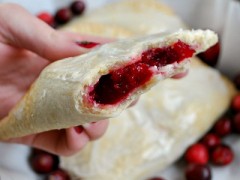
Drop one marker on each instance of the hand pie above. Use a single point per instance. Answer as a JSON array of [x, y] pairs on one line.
[[102, 83], [148, 137]]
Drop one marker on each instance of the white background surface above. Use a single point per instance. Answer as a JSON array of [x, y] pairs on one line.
[[223, 16]]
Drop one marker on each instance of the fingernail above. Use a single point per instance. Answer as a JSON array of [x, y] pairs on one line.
[[87, 44], [78, 129]]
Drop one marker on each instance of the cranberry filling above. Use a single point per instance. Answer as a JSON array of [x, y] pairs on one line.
[[118, 84]]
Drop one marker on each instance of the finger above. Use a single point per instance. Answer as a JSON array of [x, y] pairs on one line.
[[21, 29], [96, 130], [83, 37], [76, 138], [61, 142]]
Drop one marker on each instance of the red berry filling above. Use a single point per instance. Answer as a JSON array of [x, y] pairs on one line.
[[118, 84]]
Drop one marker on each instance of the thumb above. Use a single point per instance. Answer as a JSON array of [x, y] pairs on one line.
[[21, 29]]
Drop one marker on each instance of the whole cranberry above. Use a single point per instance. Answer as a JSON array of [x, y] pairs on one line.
[[197, 154], [36, 151], [63, 16], [211, 140], [59, 174], [222, 155], [77, 7], [46, 17], [156, 178], [44, 162], [236, 81], [198, 172], [236, 122], [223, 127], [236, 103], [211, 55]]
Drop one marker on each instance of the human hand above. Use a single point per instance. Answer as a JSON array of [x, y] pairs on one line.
[[27, 45]]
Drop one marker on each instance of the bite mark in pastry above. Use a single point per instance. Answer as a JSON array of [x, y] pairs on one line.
[[72, 91], [115, 86]]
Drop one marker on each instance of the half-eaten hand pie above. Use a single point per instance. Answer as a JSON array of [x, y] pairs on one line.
[[102, 83]]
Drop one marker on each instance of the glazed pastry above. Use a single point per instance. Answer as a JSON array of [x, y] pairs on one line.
[[126, 19], [97, 85], [153, 134]]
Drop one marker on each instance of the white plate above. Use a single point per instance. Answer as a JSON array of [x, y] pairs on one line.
[[14, 158]]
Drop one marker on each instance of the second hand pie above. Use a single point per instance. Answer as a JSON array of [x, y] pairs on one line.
[[102, 83]]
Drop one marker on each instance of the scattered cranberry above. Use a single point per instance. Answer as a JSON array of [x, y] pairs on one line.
[[59, 174], [236, 81], [36, 151], [197, 153], [211, 140], [236, 122], [77, 7], [222, 155], [223, 127], [46, 17], [198, 172], [211, 55], [43, 163], [63, 16], [236, 103], [87, 44], [156, 178]]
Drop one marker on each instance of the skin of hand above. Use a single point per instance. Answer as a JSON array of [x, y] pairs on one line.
[[27, 45]]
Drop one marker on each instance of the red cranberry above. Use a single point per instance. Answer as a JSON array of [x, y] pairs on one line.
[[43, 163], [58, 175], [211, 140], [223, 127], [63, 16], [222, 155], [77, 7], [87, 44], [198, 172], [197, 154], [211, 55], [156, 178], [36, 151], [236, 122], [46, 17], [236, 81], [236, 103]]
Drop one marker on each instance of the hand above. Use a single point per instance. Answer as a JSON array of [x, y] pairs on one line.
[[27, 45]]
